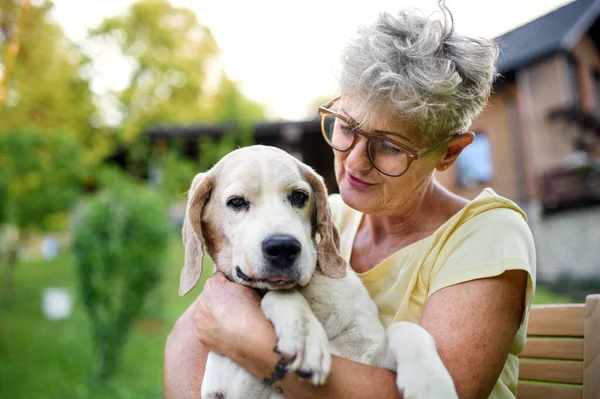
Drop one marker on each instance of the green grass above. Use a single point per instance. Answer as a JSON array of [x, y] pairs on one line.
[[40, 358], [545, 296], [54, 359]]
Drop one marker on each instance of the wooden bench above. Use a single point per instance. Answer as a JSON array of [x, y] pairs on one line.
[[561, 358]]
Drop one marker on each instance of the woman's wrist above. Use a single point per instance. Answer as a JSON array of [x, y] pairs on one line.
[[257, 355]]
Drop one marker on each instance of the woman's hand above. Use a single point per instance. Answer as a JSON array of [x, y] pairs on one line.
[[229, 317]]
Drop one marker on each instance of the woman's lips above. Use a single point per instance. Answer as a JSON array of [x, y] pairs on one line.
[[357, 182]]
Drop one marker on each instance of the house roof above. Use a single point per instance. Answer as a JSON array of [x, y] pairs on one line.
[[557, 31]]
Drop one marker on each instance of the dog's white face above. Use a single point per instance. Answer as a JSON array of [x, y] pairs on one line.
[[261, 218], [261, 207]]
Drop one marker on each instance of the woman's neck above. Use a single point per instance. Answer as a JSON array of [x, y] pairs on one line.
[[428, 211]]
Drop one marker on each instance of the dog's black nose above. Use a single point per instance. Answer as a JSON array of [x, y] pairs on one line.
[[281, 250]]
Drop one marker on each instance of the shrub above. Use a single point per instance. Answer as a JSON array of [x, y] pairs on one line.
[[120, 238]]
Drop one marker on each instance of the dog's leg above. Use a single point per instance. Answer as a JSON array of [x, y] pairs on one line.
[[421, 374], [301, 336], [223, 379], [218, 374]]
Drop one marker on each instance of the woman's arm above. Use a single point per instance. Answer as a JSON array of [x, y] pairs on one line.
[[474, 325], [249, 339], [348, 379], [184, 359]]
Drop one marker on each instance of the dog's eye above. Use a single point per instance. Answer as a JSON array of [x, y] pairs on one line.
[[238, 203], [298, 198]]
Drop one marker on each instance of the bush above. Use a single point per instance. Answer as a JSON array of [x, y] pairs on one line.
[[120, 238]]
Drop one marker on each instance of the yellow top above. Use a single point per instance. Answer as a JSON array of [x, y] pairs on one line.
[[487, 237]]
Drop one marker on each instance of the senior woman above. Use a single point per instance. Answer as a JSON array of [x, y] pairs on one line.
[[463, 270]]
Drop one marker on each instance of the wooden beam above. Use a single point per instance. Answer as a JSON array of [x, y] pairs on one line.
[[569, 372], [531, 390], [553, 348], [591, 353], [556, 320]]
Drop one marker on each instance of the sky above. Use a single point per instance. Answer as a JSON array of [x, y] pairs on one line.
[[285, 54]]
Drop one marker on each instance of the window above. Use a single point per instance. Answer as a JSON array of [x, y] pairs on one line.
[[474, 166]]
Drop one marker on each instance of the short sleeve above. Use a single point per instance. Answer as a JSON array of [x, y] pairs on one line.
[[486, 245], [337, 208]]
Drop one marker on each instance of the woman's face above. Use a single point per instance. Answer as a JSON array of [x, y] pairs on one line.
[[367, 190]]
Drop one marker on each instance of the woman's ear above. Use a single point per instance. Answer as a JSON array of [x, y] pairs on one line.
[[455, 147]]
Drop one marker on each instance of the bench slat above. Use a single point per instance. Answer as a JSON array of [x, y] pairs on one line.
[[528, 390], [556, 320], [591, 356], [553, 348], [551, 371]]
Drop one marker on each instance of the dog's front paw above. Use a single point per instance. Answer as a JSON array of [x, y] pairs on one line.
[[425, 386], [421, 374], [310, 352], [300, 336]]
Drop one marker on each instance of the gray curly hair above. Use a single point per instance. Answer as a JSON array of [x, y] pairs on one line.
[[416, 68]]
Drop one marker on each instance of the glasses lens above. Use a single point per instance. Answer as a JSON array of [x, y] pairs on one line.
[[338, 133], [388, 157]]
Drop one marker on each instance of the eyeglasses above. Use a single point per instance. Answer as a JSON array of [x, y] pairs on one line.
[[387, 156]]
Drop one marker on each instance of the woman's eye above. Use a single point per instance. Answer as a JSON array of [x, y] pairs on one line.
[[298, 198], [389, 147], [346, 128], [238, 204]]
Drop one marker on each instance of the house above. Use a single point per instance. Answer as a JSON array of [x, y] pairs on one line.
[[538, 142]]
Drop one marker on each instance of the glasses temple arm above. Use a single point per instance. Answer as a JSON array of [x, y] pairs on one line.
[[427, 151]]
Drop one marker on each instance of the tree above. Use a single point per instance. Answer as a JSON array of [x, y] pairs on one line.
[[176, 76], [40, 179], [43, 82], [120, 239]]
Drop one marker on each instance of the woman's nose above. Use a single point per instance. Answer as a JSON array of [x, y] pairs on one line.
[[357, 159]]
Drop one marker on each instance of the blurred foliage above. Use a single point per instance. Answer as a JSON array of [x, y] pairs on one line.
[[173, 174], [576, 288], [63, 349], [41, 177], [46, 86], [212, 150], [56, 133], [39, 183], [120, 239], [176, 76]]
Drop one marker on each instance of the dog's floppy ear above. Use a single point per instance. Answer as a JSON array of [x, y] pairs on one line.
[[192, 233], [330, 261]]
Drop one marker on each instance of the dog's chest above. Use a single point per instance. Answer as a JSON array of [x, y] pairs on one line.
[[348, 315]]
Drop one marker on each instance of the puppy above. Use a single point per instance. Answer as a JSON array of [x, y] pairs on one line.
[[264, 220]]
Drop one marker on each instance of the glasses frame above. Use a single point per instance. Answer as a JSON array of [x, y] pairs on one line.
[[412, 154]]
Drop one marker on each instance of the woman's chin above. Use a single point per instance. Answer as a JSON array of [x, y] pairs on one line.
[[361, 200]]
